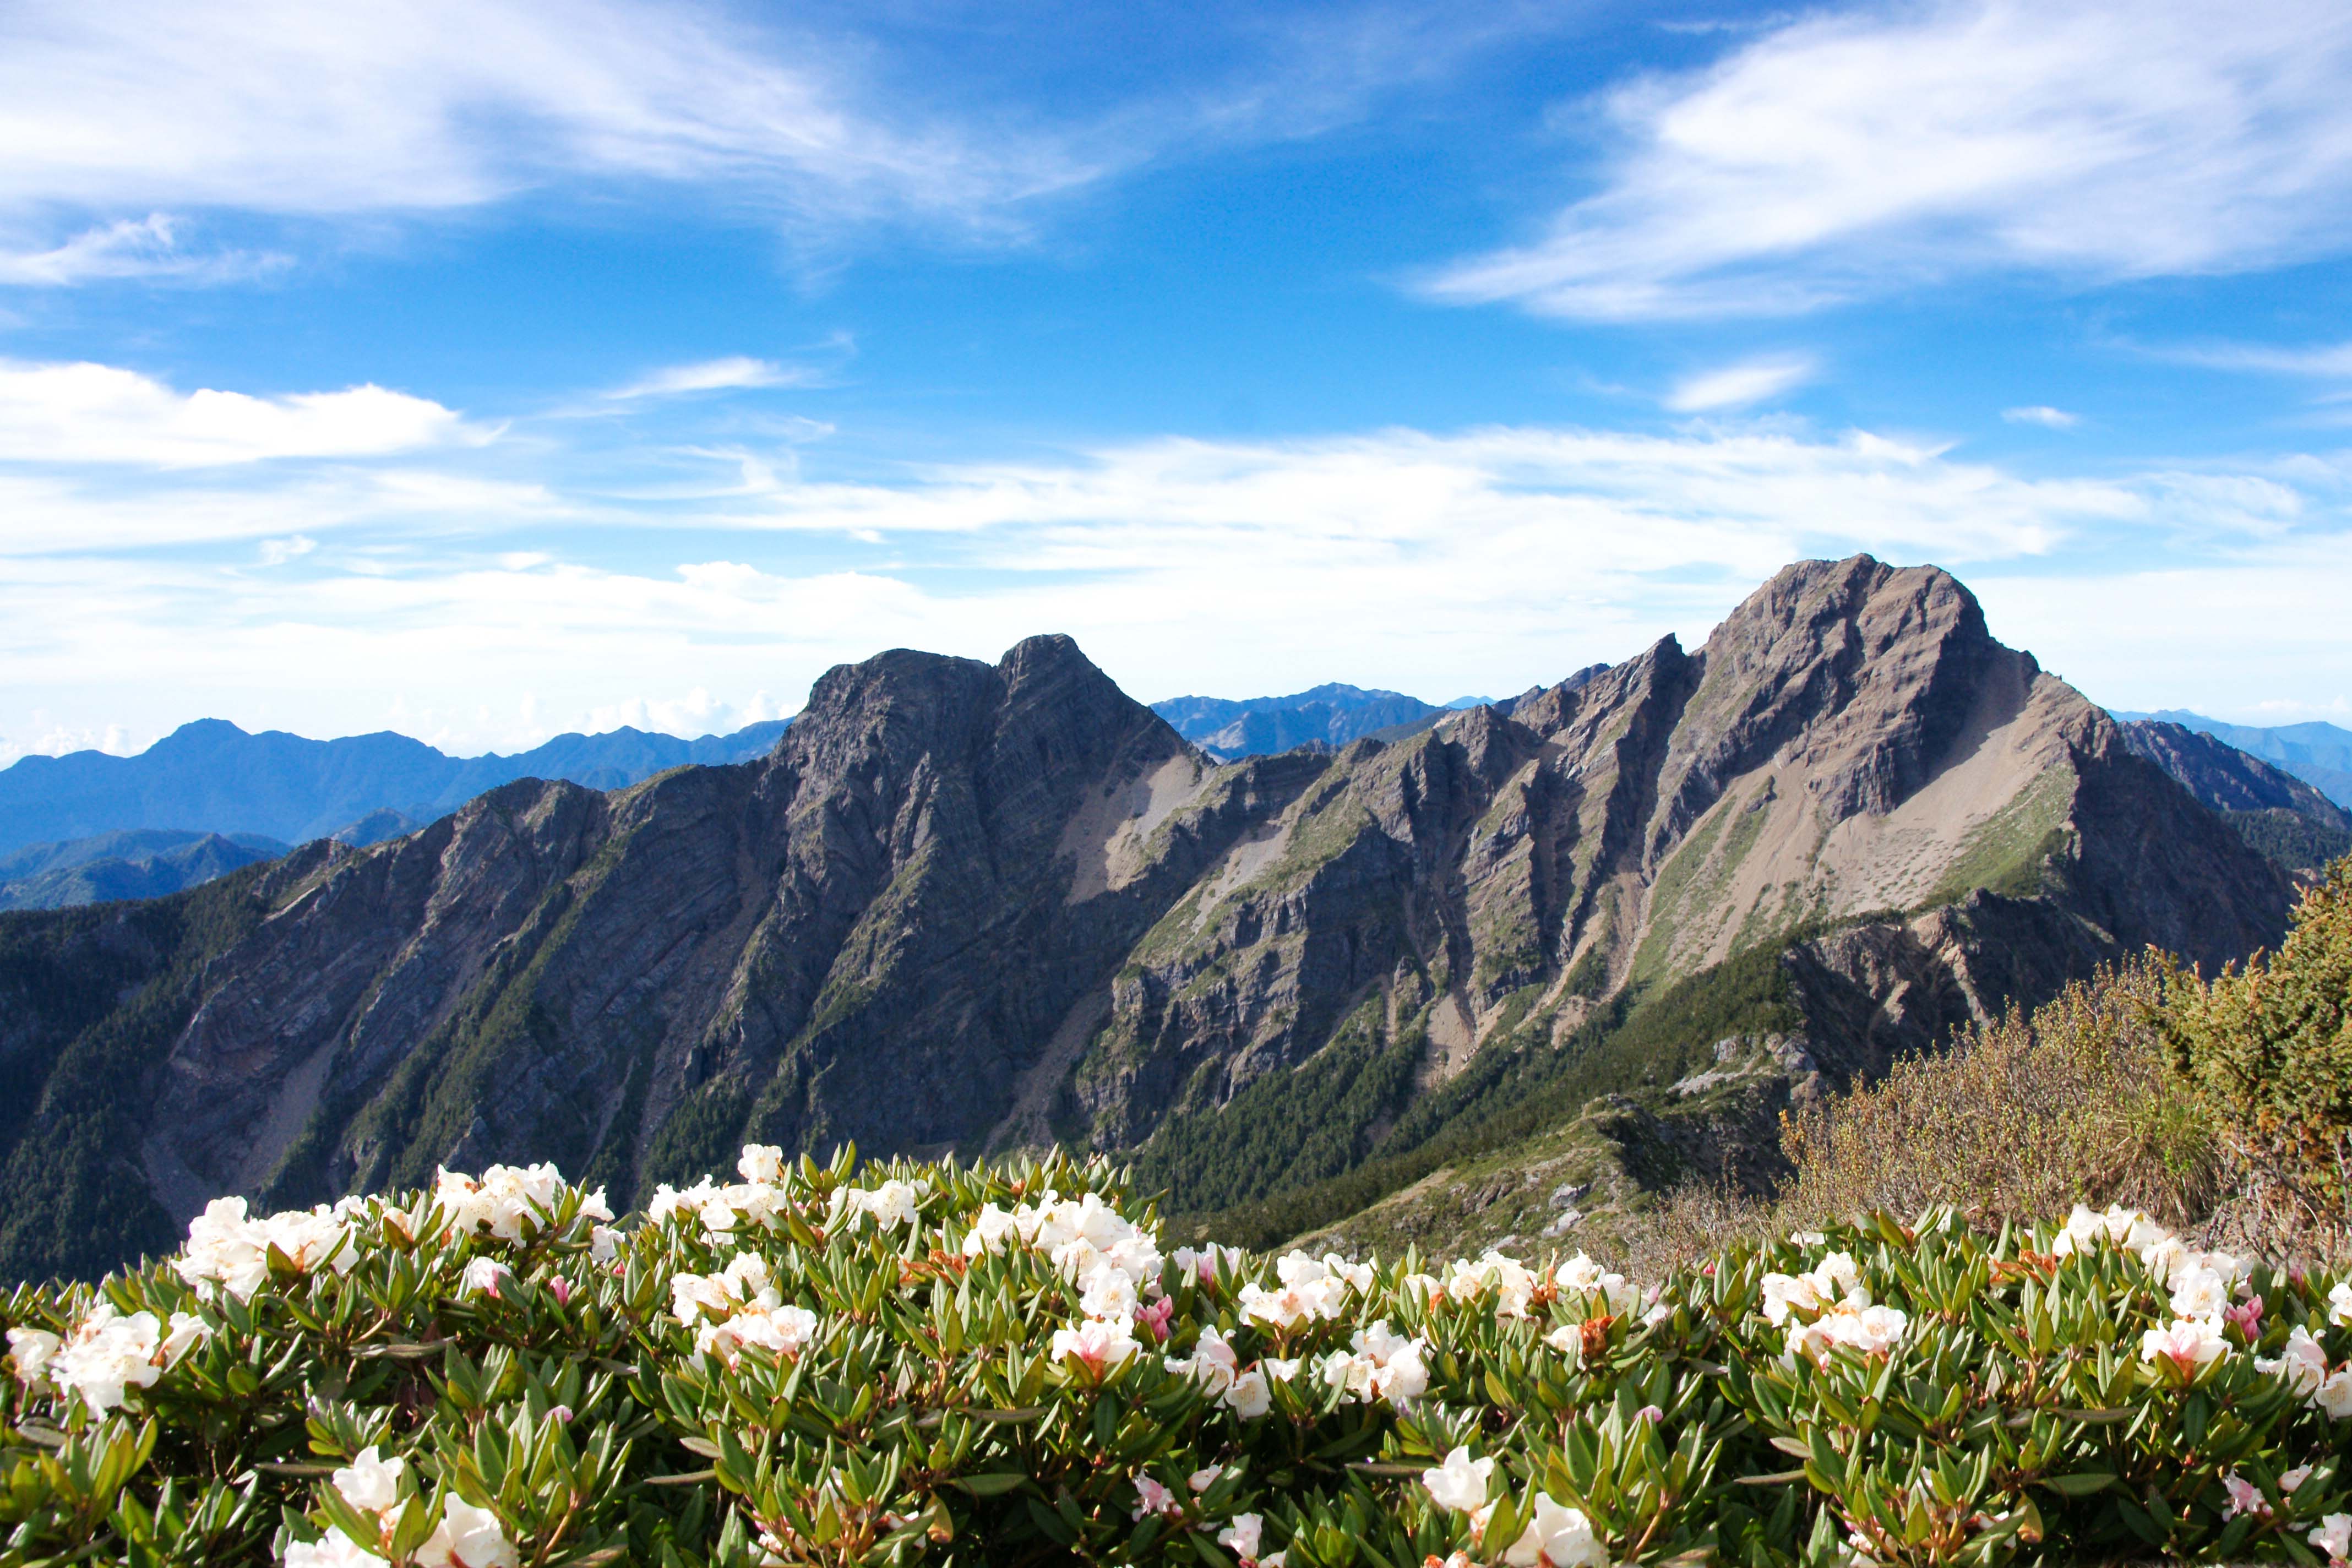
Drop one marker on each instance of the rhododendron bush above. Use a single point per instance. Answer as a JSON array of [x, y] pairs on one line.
[[1006, 1366]]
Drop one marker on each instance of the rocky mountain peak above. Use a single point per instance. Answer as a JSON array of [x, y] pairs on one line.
[[968, 906]]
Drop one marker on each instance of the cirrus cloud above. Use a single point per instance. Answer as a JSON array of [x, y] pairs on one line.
[[1846, 154]]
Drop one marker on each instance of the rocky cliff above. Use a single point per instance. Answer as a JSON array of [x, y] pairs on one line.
[[966, 907], [2287, 820]]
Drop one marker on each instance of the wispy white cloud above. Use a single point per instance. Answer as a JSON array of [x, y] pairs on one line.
[[1847, 154], [1479, 560], [2326, 361], [1739, 386], [732, 373], [103, 413], [279, 551], [129, 248], [2042, 414], [413, 107], [271, 106]]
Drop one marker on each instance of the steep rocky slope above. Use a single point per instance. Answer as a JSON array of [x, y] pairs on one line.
[[966, 907], [2283, 817]]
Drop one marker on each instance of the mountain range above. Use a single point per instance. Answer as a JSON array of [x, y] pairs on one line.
[[210, 776], [2318, 754], [1329, 715], [1510, 970]]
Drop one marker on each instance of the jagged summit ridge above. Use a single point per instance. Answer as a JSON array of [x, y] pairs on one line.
[[962, 906]]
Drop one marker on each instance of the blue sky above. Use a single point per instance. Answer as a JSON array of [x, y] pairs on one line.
[[484, 371]]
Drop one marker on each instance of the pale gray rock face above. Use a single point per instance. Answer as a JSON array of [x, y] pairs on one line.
[[969, 907]]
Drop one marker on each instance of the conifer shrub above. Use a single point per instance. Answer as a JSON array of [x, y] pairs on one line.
[[1002, 1366], [2074, 1100], [2269, 1048]]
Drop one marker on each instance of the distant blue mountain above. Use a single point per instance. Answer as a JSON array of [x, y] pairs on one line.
[[1333, 714], [212, 777], [145, 863], [2320, 755]]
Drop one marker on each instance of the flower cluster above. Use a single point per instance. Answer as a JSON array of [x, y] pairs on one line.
[[505, 1199], [818, 1365], [1379, 1363], [1310, 1290], [740, 1308], [108, 1353], [1113, 1262], [228, 1250], [1829, 1308], [379, 1492], [1555, 1535], [2200, 1288]]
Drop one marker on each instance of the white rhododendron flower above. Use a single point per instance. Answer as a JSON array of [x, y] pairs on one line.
[[992, 1229], [1250, 1396], [1512, 1284], [2339, 1304], [2190, 1344], [1835, 1280], [481, 1277], [2301, 1364], [1558, 1536], [2199, 1292], [1870, 1329], [504, 1199], [371, 1483], [1582, 1275], [1201, 1480], [1382, 1365], [761, 1162], [1312, 1290], [466, 1537], [2334, 1537], [893, 1203], [1202, 1265], [1212, 1362], [107, 1353], [337, 1550], [2334, 1395], [1243, 1534], [228, 1250], [780, 1331], [668, 1200], [31, 1350], [1460, 1483], [1098, 1344]]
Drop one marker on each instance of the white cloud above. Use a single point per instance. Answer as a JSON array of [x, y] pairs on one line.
[[1741, 498], [1738, 385], [734, 372], [2328, 361], [2042, 414], [277, 106], [129, 248], [102, 414], [279, 551], [1846, 155], [1482, 560]]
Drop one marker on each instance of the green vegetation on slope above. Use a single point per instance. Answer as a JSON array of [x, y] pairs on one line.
[[1287, 1128], [1520, 1084], [73, 1198]]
